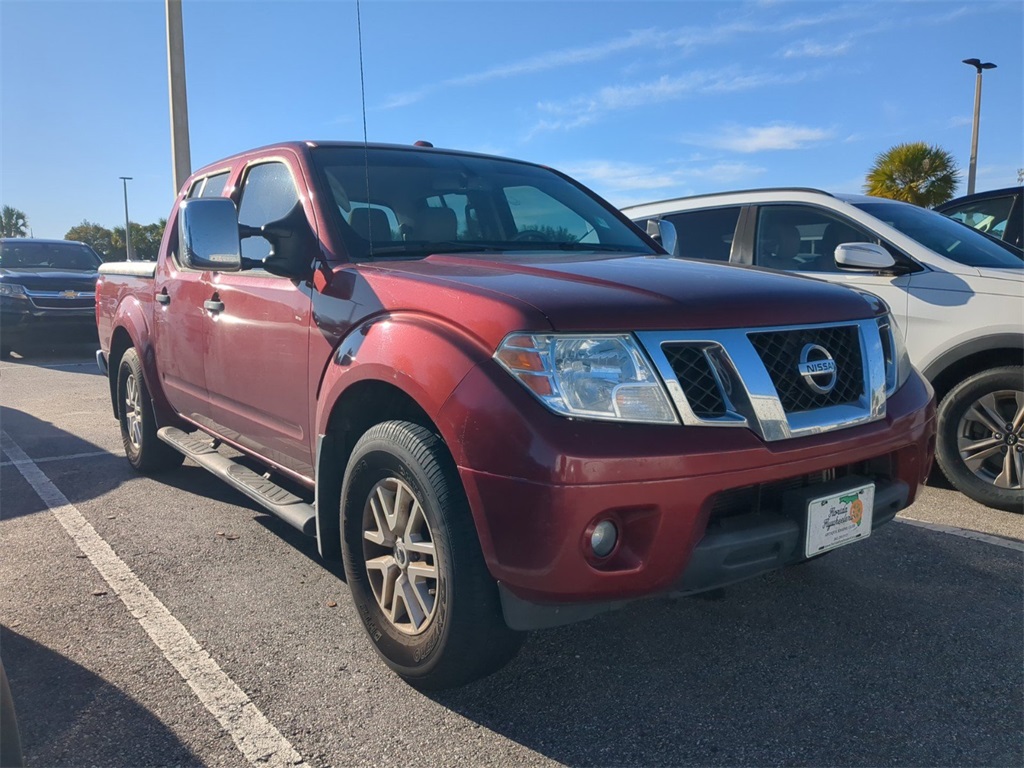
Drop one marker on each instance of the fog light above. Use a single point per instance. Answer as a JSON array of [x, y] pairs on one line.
[[603, 538]]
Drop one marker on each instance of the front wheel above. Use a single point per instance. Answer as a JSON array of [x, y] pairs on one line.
[[980, 443], [144, 449], [413, 561]]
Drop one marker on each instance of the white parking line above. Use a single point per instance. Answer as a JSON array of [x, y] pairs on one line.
[[953, 531], [66, 457], [257, 739]]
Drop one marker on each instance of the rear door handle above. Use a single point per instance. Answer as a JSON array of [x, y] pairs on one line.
[[163, 298], [213, 305]]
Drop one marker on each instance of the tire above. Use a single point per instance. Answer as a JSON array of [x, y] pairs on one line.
[[426, 598], [975, 450], [145, 451]]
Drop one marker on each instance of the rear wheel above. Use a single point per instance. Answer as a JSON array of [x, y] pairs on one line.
[[413, 561], [145, 451], [981, 437]]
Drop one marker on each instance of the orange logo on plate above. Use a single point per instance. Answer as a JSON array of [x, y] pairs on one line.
[[857, 511]]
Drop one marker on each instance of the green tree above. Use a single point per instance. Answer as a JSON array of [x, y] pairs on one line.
[[100, 238], [13, 223], [145, 240], [914, 173]]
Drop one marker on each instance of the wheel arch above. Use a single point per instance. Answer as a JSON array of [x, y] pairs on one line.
[[956, 364], [356, 410], [399, 368]]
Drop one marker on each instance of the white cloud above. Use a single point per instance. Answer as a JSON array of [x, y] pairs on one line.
[[583, 110], [630, 183], [686, 39], [959, 121], [808, 49], [763, 138]]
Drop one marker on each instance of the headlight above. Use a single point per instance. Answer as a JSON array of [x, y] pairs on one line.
[[12, 290], [590, 377], [897, 362]]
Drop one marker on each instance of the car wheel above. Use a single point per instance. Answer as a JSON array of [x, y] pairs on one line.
[[145, 451], [981, 437], [413, 561]]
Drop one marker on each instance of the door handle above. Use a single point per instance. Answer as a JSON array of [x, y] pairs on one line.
[[163, 298], [214, 305]]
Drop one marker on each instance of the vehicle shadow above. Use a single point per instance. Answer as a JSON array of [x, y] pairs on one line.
[[57, 352], [64, 709], [40, 439], [857, 659]]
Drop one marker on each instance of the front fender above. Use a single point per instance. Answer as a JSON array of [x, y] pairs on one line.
[[418, 355]]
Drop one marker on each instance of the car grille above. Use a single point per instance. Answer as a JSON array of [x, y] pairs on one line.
[[79, 303], [693, 369], [780, 353]]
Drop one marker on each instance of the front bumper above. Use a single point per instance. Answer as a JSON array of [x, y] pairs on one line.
[[696, 507]]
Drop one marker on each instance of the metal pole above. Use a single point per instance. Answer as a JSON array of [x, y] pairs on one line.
[[127, 224], [181, 158], [972, 170]]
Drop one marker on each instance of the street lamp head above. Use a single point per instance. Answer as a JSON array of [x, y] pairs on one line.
[[979, 65]]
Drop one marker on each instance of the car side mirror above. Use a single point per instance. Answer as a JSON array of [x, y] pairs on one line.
[[863, 256], [292, 244], [208, 235], [664, 234]]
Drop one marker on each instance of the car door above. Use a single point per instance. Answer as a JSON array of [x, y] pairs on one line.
[[180, 332], [803, 238], [257, 358]]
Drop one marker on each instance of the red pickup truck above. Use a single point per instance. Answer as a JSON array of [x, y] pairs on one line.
[[499, 402]]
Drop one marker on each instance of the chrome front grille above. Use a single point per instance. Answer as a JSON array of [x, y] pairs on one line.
[[780, 353], [693, 368], [751, 377]]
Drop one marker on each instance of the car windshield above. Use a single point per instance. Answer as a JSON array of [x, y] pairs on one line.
[[945, 236], [396, 203], [36, 255]]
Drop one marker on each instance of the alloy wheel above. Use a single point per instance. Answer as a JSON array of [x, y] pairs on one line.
[[133, 411], [990, 438], [400, 556]]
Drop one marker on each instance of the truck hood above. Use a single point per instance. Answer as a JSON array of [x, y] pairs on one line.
[[617, 292]]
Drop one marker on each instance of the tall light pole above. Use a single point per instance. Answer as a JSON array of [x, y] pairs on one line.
[[127, 225], [181, 155], [972, 171]]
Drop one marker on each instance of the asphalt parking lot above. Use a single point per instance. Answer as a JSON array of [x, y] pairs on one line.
[[904, 649]]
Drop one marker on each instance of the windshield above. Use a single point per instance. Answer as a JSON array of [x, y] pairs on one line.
[[394, 203], [945, 236], [32, 254]]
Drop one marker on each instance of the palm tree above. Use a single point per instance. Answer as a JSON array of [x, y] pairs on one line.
[[13, 223], [914, 173]]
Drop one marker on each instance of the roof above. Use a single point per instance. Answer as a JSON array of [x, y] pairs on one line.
[[50, 241]]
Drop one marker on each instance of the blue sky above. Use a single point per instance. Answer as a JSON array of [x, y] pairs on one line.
[[639, 100]]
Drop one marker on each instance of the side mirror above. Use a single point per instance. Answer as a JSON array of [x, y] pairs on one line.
[[293, 245], [664, 234], [208, 235], [863, 256]]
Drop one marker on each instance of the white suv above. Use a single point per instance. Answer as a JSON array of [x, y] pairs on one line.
[[957, 295]]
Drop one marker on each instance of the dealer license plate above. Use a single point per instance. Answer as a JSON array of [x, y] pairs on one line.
[[833, 521]]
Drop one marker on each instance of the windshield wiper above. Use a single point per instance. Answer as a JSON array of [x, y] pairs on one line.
[[428, 249]]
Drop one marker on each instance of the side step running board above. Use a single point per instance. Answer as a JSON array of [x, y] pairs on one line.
[[287, 506]]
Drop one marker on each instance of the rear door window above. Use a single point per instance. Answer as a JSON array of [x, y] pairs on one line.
[[706, 234]]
